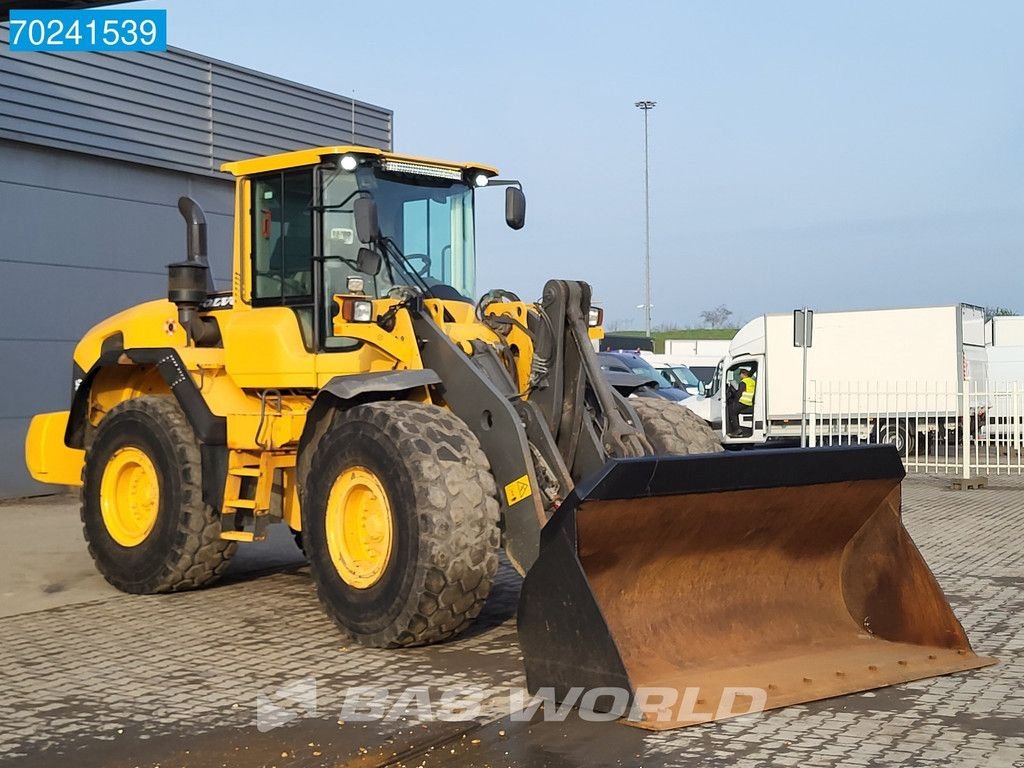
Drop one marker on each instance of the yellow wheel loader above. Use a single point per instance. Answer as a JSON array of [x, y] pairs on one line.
[[349, 386]]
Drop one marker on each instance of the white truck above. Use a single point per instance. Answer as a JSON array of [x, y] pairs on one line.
[[882, 375], [1005, 338], [1004, 413], [699, 355]]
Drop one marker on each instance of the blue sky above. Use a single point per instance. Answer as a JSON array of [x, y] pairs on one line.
[[840, 154]]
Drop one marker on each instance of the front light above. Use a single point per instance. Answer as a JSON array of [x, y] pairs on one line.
[[356, 310], [354, 284], [362, 311], [349, 163], [596, 317], [422, 169], [481, 180]]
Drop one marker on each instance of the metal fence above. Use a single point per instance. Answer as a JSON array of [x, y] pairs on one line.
[[968, 429]]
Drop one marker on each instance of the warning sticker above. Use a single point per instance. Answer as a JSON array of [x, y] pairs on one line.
[[518, 490]]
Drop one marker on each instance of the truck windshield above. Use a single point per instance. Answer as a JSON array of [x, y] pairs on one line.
[[429, 220]]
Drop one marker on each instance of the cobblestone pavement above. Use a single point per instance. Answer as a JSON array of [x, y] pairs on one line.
[[178, 679]]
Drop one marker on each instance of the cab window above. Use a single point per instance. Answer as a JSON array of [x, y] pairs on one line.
[[282, 257]]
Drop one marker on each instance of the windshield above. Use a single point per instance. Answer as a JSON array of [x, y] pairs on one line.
[[685, 375], [429, 220], [704, 372]]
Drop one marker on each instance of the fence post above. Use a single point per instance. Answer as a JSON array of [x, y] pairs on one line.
[[965, 404], [1016, 423]]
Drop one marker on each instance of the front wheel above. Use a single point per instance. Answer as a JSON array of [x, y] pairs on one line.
[[400, 523], [674, 428]]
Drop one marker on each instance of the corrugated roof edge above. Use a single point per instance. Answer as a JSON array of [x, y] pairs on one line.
[[278, 79], [317, 96]]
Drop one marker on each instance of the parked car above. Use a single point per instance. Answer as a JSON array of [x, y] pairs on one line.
[[629, 362], [681, 377], [634, 384]]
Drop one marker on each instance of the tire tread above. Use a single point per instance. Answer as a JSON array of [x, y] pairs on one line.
[[457, 512], [199, 556], [674, 428]]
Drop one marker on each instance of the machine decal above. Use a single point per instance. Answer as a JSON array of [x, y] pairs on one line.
[[218, 302], [518, 490]]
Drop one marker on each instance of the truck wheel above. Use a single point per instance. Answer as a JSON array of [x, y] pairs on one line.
[[143, 514], [674, 428], [400, 523], [894, 433]]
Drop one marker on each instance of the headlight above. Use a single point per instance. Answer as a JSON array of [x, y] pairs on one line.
[[481, 180], [349, 163], [357, 311], [596, 317], [354, 284]]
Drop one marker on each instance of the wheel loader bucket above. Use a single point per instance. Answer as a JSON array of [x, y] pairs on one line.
[[694, 588]]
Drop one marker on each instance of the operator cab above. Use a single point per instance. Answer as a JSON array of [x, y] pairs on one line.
[[309, 247]]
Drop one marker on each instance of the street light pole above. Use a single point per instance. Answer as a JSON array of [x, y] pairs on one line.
[[647, 106]]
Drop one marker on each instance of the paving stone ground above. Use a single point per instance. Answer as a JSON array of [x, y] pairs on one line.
[[187, 678]]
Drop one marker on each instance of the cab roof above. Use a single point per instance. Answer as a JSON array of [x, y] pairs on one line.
[[315, 155]]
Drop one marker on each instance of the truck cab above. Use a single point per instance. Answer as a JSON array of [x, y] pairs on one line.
[[721, 405]]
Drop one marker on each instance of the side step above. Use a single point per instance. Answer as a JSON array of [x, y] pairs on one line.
[[256, 507]]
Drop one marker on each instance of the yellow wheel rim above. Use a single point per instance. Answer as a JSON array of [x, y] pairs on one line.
[[129, 496], [359, 527]]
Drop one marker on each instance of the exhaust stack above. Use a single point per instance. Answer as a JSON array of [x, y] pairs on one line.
[[189, 282]]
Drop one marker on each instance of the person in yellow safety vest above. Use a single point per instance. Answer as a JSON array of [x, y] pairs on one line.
[[749, 386], [740, 400], [745, 402]]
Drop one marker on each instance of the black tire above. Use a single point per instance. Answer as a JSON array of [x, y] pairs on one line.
[[444, 515], [184, 549], [894, 433], [673, 428]]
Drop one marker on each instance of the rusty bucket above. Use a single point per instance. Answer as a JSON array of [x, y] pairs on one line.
[[709, 586]]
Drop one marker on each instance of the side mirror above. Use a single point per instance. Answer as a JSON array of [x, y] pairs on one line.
[[515, 207], [367, 226], [368, 261]]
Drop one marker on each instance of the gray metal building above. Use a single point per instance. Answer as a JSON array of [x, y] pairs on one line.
[[95, 150]]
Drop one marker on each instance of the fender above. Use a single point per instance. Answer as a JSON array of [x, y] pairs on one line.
[[209, 428], [354, 388], [353, 385], [349, 390], [357, 388]]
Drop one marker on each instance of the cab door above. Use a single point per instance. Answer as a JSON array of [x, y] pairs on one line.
[[712, 401], [742, 425]]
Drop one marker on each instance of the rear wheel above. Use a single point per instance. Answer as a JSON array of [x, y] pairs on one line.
[[674, 428], [143, 514], [400, 523], [894, 433]]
